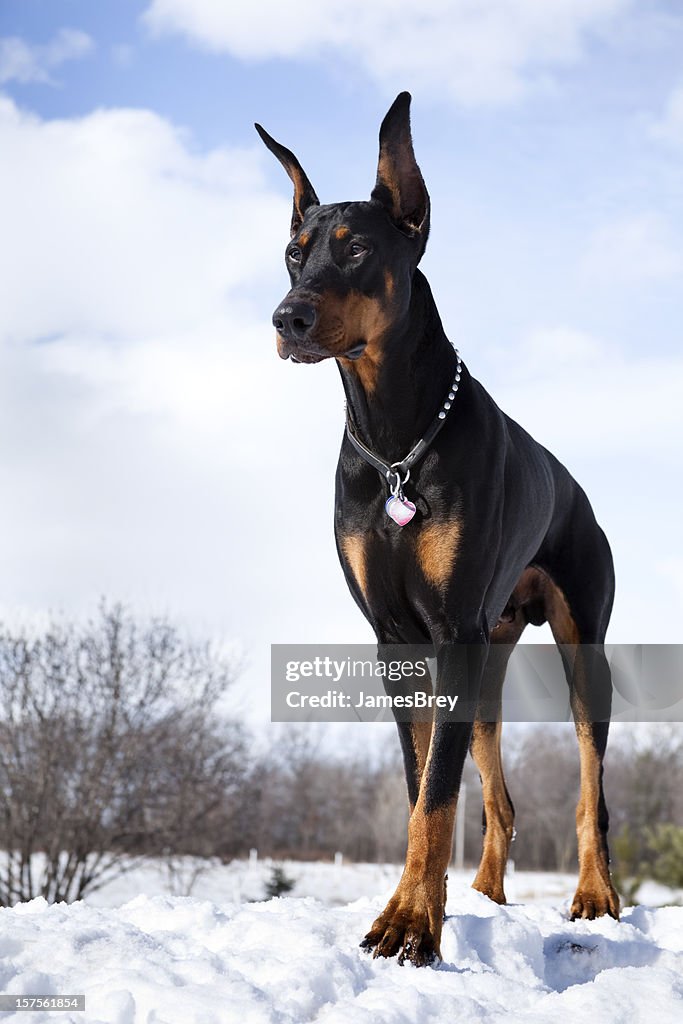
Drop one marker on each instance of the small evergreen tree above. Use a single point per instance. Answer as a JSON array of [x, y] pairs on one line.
[[279, 884], [666, 843]]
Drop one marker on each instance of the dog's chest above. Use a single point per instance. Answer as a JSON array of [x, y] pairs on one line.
[[401, 571]]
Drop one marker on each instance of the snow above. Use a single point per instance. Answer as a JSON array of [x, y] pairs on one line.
[[241, 881], [160, 959]]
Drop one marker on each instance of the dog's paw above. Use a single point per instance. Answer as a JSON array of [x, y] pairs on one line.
[[594, 901], [407, 930], [494, 890]]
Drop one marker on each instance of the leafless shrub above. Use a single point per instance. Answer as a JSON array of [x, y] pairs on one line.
[[110, 745]]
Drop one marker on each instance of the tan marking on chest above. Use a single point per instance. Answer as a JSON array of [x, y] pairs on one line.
[[437, 550], [354, 548]]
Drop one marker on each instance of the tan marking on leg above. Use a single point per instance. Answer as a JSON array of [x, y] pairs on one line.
[[543, 599], [354, 548], [565, 630], [430, 839], [499, 816], [485, 750], [437, 549], [595, 894], [422, 737], [538, 597], [412, 921]]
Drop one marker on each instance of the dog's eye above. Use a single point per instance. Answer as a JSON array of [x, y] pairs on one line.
[[294, 254], [356, 250]]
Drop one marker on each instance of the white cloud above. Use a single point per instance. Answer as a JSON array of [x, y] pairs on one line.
[[637, 248], [476, 51], [149, 434], [28, 62], [669, 128], [558, 345], [588, 399], [127, 232]]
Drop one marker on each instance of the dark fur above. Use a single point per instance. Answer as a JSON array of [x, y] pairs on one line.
[[528, 548]]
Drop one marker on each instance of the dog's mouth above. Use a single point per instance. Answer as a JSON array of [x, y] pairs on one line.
[[298, 354], [305, 357]]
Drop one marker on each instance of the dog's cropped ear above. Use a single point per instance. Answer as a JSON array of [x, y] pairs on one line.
[[400, 186], [304, 193]]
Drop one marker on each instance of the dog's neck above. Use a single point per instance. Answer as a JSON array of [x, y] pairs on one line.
[[392, 408]]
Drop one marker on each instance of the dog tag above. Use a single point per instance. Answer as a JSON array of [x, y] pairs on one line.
[[399, 509]]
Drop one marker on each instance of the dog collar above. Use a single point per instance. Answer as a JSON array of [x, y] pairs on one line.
[[397, 506]]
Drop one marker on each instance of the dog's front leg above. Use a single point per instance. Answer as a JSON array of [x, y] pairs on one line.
[[410, 925]]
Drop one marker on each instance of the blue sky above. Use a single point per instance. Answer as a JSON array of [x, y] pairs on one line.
[[153, 446]]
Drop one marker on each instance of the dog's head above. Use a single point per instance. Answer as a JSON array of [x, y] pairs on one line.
[[351, 264]]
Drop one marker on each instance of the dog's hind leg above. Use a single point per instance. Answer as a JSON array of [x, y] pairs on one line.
[[498, 812], [578, 620], [595, 894]]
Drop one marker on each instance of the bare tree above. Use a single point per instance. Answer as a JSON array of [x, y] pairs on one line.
[[110, 746], [543, 778]]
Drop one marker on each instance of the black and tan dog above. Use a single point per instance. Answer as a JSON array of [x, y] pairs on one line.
[[500, 534]]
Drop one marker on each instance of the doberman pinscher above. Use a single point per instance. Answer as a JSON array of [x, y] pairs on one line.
[[499, 533]]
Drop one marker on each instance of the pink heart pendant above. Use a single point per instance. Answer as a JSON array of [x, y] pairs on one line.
[[399, 509]]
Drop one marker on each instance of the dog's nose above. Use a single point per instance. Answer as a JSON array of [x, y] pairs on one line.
[[294, 319]]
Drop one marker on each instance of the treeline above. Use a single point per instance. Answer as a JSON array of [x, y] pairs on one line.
[[117, 741], [308, 800]]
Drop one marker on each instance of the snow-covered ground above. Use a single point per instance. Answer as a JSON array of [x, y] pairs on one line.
[[160, 959]]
